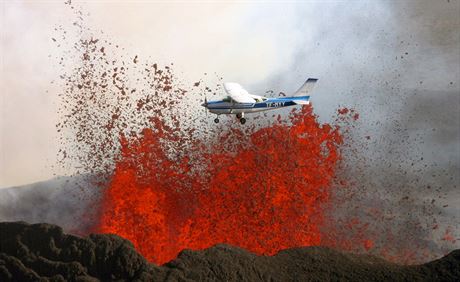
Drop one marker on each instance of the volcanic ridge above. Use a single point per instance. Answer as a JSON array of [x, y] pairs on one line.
[[43, 252]]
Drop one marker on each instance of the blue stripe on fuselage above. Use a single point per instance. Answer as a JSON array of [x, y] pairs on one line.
[[269, 103]]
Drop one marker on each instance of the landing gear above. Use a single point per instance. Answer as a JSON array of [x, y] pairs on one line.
[[216, 120], [240, 116]]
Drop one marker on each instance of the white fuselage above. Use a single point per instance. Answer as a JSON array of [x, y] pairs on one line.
[[230, 107]]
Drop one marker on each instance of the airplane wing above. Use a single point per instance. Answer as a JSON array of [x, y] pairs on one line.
[[238, 93]]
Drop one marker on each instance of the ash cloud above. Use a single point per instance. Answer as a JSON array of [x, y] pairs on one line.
[[70, 202], [401, 72]]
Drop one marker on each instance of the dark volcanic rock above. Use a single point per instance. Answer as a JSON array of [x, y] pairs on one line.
[[30, 252], [42, 252], [224, 262]]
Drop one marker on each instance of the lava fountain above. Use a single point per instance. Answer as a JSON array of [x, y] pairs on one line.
[[263, 190]]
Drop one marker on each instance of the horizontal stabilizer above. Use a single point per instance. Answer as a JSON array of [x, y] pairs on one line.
[[306, 88], [301, 102]]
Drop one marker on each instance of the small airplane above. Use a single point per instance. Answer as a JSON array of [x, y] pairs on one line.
[[239, 101]]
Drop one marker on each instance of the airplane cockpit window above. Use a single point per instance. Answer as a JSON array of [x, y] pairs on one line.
[[227, 99]]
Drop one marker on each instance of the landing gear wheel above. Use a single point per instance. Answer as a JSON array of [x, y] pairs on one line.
[[242, 120], [216, 120], [239, 116]]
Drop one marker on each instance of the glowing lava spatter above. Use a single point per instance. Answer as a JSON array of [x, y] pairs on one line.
[[266, 194]]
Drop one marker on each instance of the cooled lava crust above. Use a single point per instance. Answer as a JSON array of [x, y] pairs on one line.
[[43, 252]]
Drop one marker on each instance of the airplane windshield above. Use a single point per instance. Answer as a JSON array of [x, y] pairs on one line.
[[227, 99], [260, 99]]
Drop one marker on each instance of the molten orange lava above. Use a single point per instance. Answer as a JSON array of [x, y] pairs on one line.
[[262, 191]]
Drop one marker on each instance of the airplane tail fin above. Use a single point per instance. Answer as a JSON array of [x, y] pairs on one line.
[[306, 88]]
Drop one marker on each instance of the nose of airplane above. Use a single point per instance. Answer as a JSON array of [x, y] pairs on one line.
[[205, 104]]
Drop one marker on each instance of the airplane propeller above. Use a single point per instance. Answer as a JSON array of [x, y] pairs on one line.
[[205, 105]]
